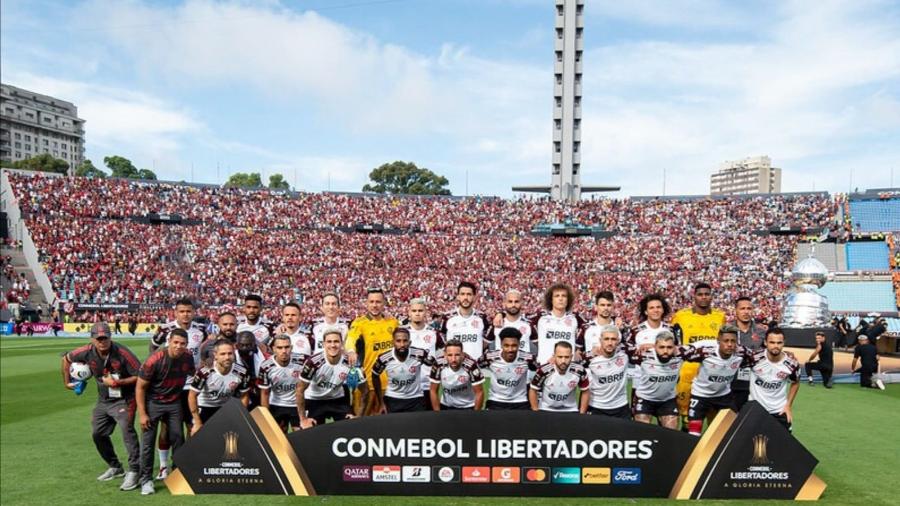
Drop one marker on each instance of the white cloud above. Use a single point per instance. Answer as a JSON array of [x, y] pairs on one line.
[[119, 121], [799, 83]]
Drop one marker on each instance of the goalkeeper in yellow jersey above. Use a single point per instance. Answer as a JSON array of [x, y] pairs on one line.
[[369, 336], [697, 325]]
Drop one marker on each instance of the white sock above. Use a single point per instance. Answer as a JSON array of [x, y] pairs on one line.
[[164, 458]]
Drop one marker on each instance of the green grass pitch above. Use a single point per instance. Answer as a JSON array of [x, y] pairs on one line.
[[47, 456]]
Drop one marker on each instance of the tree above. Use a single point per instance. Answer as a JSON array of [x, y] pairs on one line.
[[120, 166], [146, 174], [244, 180], [406, 178], [87, 169], [277, 182], [44, 162]]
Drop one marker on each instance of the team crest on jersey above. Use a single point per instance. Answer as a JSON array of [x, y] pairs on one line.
[[185, 367], [427, 339], [463, 378], [782, 375], [572, 384], [520, 370], [342, 376], [413, 369], [713, 326], [522, 329], [476, 323], [735, 365], [568, 320], [261, 332], [233, 385], [620, 361]]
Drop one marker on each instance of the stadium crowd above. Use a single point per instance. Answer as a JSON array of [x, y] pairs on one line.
[[287, 246]]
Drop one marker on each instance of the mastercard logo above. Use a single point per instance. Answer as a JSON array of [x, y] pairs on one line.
[[536, 475]]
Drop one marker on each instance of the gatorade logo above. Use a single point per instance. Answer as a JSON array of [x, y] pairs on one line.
[[505, 475]]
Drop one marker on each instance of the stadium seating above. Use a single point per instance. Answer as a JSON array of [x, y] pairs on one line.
[[860, 296], [829, 253], [875, 215], [868, 256], [295, 246], [893, 324]]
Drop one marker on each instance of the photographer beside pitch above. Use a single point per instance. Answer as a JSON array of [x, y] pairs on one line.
[[116, 369]]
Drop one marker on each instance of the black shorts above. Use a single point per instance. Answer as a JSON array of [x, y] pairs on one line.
[[782, 419], [655, 408], [445, 407], [700, 406], [285, 416], [394, 405], [498, 406], [623, 412], [207, 413], [319, 410]]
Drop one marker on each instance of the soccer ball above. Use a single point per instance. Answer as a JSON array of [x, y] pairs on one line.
[[79, 371]]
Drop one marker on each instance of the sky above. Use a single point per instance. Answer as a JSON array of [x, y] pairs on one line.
[[323, 91]]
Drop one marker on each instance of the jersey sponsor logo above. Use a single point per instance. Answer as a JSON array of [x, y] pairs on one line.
[[505, 475], [557, 397], [510, 383], [476, 474], [417, 474], [456, 389], [720, 379], [662, 379], [596, 475], [626, 476], [539, 475], [446, 474], [567, 475], [615, 378], [768, 385], [469, 338], [357, 473], [382, 346], [558, 334], [386, 474], [397, 383]]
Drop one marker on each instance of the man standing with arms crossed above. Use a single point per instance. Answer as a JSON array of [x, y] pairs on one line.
[[699, 326], [116, 369], [159, 387], [369, 336]]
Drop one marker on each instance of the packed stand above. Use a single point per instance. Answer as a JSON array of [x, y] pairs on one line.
[[286, 246]]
